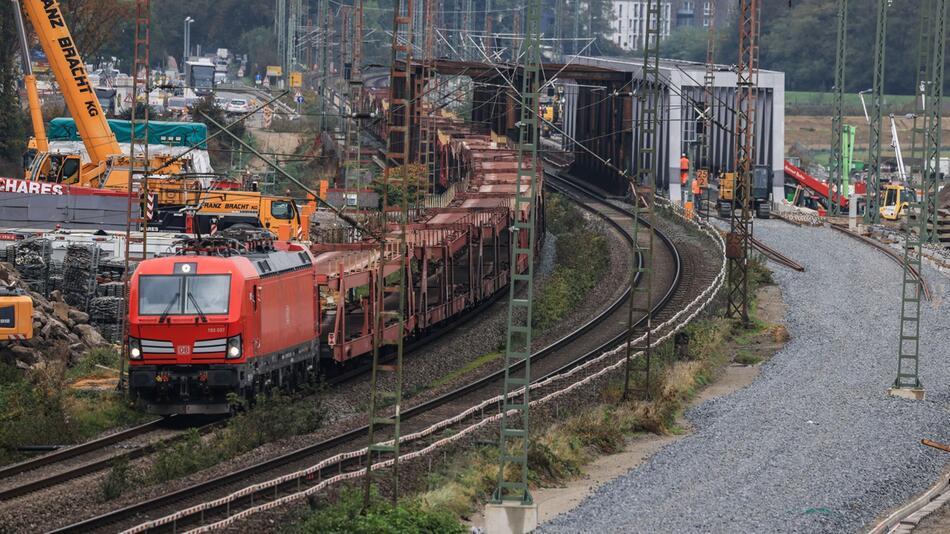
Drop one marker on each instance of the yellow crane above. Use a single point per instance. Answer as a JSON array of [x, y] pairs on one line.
[[108, 166]]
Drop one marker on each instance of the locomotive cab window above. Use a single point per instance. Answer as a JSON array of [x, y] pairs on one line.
[[282, 209], [184, 295]]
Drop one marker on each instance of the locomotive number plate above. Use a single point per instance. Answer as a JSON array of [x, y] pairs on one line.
[[184, 350]]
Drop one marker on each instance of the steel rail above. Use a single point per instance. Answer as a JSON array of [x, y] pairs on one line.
[[777, 256], [890, 253], [350, 462], [83, 448], [144, 507], [98, 465]]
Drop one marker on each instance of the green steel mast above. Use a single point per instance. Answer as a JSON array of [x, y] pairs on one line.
[[908, 355], [837, 123], [650, 100], [872, 214], [513, 447]]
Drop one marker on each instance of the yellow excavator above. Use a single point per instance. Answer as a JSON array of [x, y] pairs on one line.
[[108, 166]]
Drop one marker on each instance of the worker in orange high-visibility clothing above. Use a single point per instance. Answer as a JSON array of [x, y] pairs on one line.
[[684, 169], [697, 193]]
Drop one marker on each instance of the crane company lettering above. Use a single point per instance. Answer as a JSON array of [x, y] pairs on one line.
[[76, 67], [52, 12], [12, 185], [231, 206]]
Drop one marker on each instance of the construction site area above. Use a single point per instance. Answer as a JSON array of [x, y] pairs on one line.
[[480, 266]]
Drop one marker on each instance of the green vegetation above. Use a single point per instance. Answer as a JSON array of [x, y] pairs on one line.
[[39, 407], [272, 418], [583, 256], [561, 451], [347, 517], [468, 368], [13, 134], [799, 39]]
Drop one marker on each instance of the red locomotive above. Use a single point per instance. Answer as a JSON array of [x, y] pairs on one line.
[[220, 317], [238, 316]]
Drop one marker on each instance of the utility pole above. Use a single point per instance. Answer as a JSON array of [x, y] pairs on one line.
[[929, 179], [514, 434], [709, 88], [740, 222], [907, 383], [352, 169], [324, 63], [650, 105], [872, 214], [138, 210], [923, 80], [837, 121], [394, 256], [426, 131]]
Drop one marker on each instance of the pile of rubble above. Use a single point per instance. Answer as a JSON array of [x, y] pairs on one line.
[[57, 328]]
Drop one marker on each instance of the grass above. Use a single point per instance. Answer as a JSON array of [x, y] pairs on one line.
[[477, 363], [39, 407], [271, 419], [582, 257], [745, 357], [92, 364], [560, 452], [346, 516], [818, 98]]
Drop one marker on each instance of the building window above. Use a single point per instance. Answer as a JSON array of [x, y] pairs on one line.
[[621, 10]]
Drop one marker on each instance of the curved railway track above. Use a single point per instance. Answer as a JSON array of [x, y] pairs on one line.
[[895, 256], [599, 334]]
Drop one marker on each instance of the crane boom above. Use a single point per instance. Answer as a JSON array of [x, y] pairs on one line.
[[29, 82], [70, 72]]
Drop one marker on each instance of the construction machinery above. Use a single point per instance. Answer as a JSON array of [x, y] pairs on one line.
[[896, 196], [16, 313], [175, 190], [761, 192]]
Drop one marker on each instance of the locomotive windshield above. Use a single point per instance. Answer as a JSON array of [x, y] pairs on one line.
[[184, 294]]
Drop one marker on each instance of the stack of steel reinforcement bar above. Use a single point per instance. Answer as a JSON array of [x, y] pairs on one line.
[[79, 274], [33, 261]]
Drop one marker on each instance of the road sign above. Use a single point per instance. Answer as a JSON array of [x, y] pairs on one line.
[[296, 79], [298, 98]]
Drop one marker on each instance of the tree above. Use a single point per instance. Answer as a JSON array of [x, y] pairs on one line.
[[99, 24], [688, 43], [13, 131]]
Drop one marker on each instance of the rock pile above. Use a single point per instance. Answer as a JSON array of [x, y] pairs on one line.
[[59, 330]]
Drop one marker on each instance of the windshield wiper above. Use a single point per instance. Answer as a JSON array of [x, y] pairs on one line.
[[201, 314], [168, 308]]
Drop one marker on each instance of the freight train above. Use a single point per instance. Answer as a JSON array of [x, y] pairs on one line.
[[230, 315]]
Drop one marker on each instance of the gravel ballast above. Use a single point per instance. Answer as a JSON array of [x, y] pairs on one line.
[[814, 444]]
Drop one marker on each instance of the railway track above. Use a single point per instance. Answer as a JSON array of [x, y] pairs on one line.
[[73, 462], [896, 257], [776, 256], [599, 334]]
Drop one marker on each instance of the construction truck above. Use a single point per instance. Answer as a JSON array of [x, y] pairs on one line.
[[896, 197], [761, 192], [108, 168]]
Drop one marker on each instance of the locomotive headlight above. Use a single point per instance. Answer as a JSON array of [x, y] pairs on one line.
[[135, 349], [234, 347]]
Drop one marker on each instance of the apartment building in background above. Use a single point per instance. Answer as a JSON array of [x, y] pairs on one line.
[[629, 18]]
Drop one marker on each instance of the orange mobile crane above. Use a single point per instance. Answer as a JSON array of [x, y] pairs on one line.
[[108, 166]]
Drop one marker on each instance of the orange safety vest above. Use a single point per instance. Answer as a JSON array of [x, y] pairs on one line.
[[684, 170], [695, 187]]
